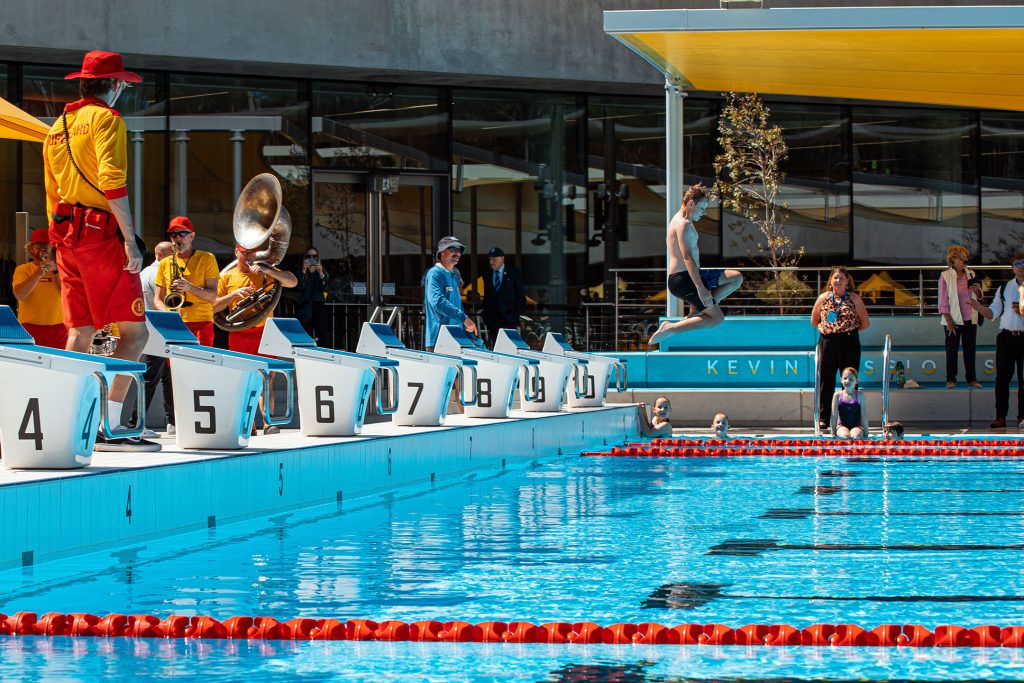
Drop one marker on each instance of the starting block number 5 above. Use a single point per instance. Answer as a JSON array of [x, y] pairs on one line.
[[207, 414]]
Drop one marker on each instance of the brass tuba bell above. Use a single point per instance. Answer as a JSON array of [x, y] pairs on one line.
[[260, 217]]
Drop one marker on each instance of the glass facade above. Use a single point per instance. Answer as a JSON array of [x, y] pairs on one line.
[[570, 186]]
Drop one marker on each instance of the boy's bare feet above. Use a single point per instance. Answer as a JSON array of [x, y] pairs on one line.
[[664, 330]]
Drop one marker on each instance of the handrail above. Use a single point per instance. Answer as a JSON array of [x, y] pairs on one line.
[[817, 391], [886, 378]]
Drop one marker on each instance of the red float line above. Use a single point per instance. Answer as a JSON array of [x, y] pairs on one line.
[[853, 443], [815, 450], [268, 628]]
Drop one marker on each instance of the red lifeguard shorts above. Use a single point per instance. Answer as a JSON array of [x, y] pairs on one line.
[[95, 287], [53, 336]]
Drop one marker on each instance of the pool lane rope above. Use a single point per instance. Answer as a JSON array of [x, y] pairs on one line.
[[558, 632], [718, 448]]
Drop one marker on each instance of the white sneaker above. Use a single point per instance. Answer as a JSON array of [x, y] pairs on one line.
[[149, 434], [171, 431]]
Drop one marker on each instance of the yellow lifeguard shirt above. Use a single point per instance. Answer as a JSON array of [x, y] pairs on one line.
[[42, 306], [235, 279], [197, 269]]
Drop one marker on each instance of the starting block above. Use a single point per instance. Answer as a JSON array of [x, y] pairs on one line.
[[54, 401], [548, 388], [216, 392], [333, 386], [498, 374], [600, 370], [427, 378]]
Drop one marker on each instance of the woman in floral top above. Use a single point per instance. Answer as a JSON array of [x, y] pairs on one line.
[[839, 314]]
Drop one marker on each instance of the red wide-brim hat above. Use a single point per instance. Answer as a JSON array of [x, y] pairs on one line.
[[99, 64]]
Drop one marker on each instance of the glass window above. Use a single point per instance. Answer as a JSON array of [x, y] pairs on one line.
[[518, 174], [914, 187], [143, 107], [379, 126], [223, 132], [1002, 186], [816, 186], [10, 255]]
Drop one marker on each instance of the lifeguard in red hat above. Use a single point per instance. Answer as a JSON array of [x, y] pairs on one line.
[[197, 279], [37, 288], [86, 168]]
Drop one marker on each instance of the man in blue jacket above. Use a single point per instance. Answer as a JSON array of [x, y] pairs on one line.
[[442, 299]]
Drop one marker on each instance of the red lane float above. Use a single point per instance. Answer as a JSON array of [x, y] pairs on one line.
[[716, 448], [623, 633]]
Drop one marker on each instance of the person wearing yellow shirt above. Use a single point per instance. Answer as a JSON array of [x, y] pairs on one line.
[[85, 171], [198, 281], [37, 289], [238, 283]]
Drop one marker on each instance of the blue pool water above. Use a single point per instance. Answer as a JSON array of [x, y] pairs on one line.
[[734, 541]]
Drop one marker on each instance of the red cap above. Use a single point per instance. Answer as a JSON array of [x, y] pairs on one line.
[[40, 236], [99, 64], [179, 224]]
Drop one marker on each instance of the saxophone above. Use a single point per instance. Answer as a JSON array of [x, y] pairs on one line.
[[175, 301]]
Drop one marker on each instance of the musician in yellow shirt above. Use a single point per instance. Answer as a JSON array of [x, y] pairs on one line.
[[198, 281], [37, 288], [241, 281]]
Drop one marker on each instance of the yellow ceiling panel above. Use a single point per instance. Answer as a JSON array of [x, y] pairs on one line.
[[974, 66]]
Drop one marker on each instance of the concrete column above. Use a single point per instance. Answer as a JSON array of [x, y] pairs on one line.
[[181, 149], [137, 139], [237, 138], [674, 95]]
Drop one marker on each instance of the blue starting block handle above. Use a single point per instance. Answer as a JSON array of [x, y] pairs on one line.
[[461, 374], [268, 391], [531, 381], [581, 379], [140, 412], [381, 372]]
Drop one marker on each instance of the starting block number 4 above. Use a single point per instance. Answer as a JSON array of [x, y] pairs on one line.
[[31, 424]]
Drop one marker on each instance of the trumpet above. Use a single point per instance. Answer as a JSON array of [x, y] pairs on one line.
[[175, 300]]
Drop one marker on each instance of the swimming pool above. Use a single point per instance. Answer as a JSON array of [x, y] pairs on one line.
[[925, 540]]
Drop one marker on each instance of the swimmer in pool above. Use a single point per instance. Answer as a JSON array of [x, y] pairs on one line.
[[720, 426], [660, 422], [705, 290]]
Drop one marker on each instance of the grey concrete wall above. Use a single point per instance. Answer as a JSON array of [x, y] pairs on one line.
[[476, 42]]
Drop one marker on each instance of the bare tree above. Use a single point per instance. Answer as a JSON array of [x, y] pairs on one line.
[[749, 179]]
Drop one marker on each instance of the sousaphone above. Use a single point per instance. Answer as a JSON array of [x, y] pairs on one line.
[[260, 218]]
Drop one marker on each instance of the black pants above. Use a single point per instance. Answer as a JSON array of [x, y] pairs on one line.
[[835, 352], [1009, 357], [968, 332], [159, 370]]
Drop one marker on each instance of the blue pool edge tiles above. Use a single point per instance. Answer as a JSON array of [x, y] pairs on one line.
[[128, 498]]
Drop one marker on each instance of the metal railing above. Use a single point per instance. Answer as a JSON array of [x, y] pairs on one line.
[[886, 378], [626, 322]]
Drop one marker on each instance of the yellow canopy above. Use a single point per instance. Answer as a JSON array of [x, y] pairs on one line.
[[954, 56], [871, 288], [15, 124]]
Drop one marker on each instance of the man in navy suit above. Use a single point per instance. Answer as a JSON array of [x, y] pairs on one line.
[[504, 294]]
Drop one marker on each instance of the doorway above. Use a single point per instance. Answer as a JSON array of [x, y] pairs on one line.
[[375, 233]]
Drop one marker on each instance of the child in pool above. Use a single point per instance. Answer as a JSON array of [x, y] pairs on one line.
[[720, 426], [849, 412], [660, 422]]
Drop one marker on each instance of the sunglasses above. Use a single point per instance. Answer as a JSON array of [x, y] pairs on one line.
[[1018, 264], [180, 233]]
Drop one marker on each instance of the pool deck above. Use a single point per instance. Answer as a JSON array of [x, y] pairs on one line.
[[130, 497]]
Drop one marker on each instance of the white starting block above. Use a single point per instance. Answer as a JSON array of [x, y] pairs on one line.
[[54, 401], [549, 388], [600, 370], [216, 392], [427, 378], [333, 386], [497, 373]]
